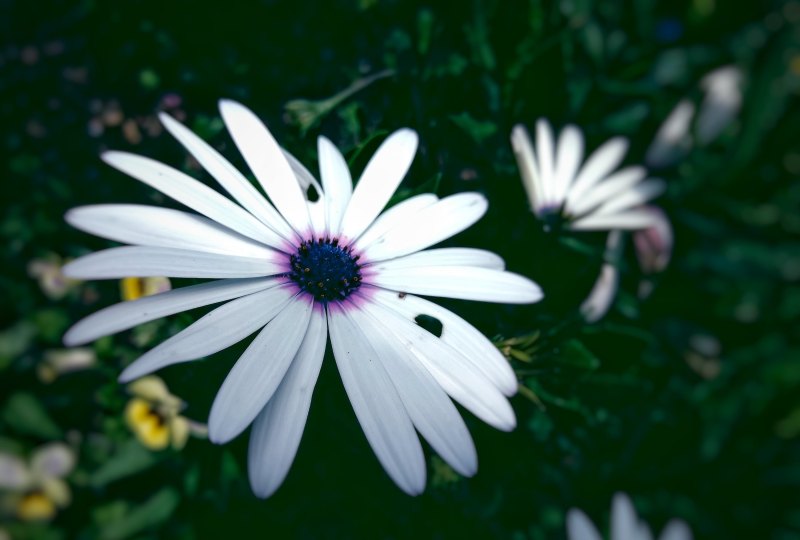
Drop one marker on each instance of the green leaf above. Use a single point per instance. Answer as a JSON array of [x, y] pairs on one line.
[[478, 130], [156, 510], [26, 415], [14, 341], [130, 459], [574, 353]]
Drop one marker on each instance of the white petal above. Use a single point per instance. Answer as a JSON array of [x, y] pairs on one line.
[[676, 530], [580, 527], [445, 257], [337, 183], [460, 335], [624, 522], [455, 374], [545, 153], [229, 177], [428, 406], [463, 282], [397, 215], [14, 475], [258, 372], [138, 261], [52, 460], [303, 175], [568, 158], [528, 168], [429, 226], [673, 139], [636, 196], [599, 165], [639, 218], [126, 315], [217, 330], [604, 290], [279, 426], [268, 163], [379, 181], [188, 191], [613, 186], [316, 212], [376, 403], [162, 227]]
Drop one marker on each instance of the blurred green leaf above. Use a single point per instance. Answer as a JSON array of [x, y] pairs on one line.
[[14, 341], [156, 510], [131, 458], [574, 353], [478, 130], [26, 415]]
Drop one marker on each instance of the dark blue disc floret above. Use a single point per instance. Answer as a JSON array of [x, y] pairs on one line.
[[325, 270]]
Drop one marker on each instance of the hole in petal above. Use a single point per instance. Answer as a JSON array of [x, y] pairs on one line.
[[311, 193], [431, 324]]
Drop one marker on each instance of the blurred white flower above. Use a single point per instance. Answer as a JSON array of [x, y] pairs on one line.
[[625, 525], [47, 271], [36, 490], [653, 249], [593, 195], [722, 99], [58, 362]]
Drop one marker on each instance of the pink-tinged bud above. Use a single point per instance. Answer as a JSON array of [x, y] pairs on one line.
[[654, 244]]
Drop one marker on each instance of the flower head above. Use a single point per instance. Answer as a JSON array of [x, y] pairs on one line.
[[625, 525], [36, 489], [153, 415], [295, 271], [594, 195]]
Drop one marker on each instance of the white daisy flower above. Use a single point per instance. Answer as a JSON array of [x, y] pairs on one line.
[[299, 271], [625, 525], [595, 195]]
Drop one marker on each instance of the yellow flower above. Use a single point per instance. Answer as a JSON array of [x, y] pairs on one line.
[[133, 288], [153, 415], [37, 489]]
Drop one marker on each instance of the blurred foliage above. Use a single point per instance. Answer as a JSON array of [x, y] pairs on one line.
[[687, 400]]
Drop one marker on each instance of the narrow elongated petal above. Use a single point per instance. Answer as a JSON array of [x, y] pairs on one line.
[[676, 530], [316, 208], [217, 330], [464, 282], [395, 216], [568, 158], [379, 181], [613, 186], [580, 527], [279, 426], [528, 168], [429, 226], [138, 261], [445, 257], [639, 218], [673, 140], [14, 474], [545, 151], [377, 405], [126, 315], [336, 181], [624, 522], [428, 406], [268, 163], [599, 165], [605, 288], [163, 227], [636, 196], [229, 177], [257, 374], [455, 374], [303, 175], [460, 335], [188, 191]]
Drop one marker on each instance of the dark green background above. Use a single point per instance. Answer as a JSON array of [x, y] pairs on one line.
[[624, 411]]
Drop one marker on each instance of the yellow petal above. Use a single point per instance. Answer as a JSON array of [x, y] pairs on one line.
[[131, 288], [154, 434], [180, 432], [151, 388], [137, 412], [35, 507]]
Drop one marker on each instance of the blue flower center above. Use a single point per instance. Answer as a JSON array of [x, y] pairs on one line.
[[325, 270]]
